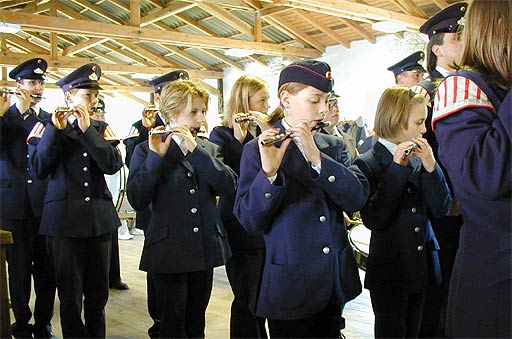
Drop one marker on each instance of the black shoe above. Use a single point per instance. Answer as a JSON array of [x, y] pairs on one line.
[[44, 332], [154, 331], [21, 331], [120, 285]]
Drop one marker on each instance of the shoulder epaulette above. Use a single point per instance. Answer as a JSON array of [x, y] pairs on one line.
[[456, 93], [36, 132], [423, 92]]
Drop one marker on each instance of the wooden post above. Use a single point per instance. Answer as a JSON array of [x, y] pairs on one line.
[[5, 316]]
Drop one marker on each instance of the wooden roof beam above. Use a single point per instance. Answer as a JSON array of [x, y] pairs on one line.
[[99, 11], [224, 59], [171, 9], [357, 27], [135, 19], [323, 28], [227, 17], [25, 44], [148, 55], [186, 56], [408, 7], [13, 59], [82, 45], [295, 31], [30, 22], [354, 9]]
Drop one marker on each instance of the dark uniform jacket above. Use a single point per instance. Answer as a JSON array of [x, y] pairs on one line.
[[301, 218], [185, 233], [78, 203], [21, 192], [403, 248], [472, 122], [232, 150], [137, 135]]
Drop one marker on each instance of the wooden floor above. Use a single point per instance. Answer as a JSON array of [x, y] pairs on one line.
[[127, 316]]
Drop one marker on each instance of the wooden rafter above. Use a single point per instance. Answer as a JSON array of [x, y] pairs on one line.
[[31, 22], [294, 31], [171, 9], [323, 28], [227, 17]]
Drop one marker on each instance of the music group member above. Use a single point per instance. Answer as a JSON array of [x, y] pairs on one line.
[[21, 200], [409, 71], [248, 100], [472, 124], [294, 193], [75, 152], [407, 186], [179, 176], [138, 134], [443, 53]]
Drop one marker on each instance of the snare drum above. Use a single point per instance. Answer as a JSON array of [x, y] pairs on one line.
[[359, 238], [116, 183]]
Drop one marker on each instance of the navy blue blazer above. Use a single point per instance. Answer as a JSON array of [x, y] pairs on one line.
[[232, 150], [472, 122], [185, 233], [403, 247], [301, 219], [15, 181], [78, 203]]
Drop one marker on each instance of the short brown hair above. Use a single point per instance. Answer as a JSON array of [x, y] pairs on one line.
[[245, 87], [176, 95], [393, 111]]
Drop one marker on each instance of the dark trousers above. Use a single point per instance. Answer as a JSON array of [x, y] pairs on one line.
[[244, 271], [397, 314], [81, 268], [154, 330], [325, 324], [114, 275], [27, 257], [183, 298]]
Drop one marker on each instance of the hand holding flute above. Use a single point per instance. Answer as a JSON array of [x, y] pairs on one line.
[[419, 147], [149, 116]]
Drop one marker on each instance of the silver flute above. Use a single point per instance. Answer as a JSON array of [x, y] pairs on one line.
[[282, 136], [409, 150], [7, 91]]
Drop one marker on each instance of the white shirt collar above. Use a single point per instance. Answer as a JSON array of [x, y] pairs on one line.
[[444, 72], [391, 147]]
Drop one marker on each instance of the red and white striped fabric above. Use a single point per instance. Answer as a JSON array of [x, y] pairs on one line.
[[109, 135], [423, 92], [456, 93], [36, 132]]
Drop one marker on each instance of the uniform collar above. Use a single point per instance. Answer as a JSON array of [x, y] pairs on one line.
[[391, 147]]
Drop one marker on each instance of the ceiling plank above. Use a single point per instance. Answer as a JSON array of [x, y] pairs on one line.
[[356, 9], [161, 13], [36, 8], [82, 45], [224, 59], [257, 59], [13, 59], [25, 44], [442, 4], [148, 55], [410, 8], [54, 40], [323, 28], [186, 56], [136, 99], [32, 22]]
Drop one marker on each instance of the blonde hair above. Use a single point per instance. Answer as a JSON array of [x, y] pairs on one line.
[[393, 111], [487, 40], [176, 95], [244, 87], [291, 87]]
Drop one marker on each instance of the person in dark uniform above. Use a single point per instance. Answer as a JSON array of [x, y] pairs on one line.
[[472, 121], [139, 134], [115, 280], [22, 197], [294, 193], [75, 152], [249, 103], [443, 52], [407, 186], [409, 71], [179, 176]]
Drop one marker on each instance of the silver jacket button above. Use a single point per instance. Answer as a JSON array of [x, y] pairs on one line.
[[326, 250], [332, 178], [193, 210], [413, 210], [189, 174], [420, 248], [417, 229], [85, 169], [87, 199], [86, 184], [268, 195], [195, 229], [85, 154], [29, 181], [322, 218], [192, 191]]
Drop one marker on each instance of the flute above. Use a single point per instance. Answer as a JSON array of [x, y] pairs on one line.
[[169, 130], [243, 119], [66, 109], [150, 108], [35, 96], [409, 150], [282, 136]]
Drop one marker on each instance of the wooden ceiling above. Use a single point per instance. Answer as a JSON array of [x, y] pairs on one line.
[[156, 36]]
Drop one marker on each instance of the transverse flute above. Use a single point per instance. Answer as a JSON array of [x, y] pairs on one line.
[[35, 96], [243, 119], [282, 136], [409, 150]]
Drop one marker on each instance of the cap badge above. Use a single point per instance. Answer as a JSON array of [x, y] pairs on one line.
[[328, 75], [93, 77], [38, 71]]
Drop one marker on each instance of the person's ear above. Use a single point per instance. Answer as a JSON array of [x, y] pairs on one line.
[[285, 98], [437, 50]]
